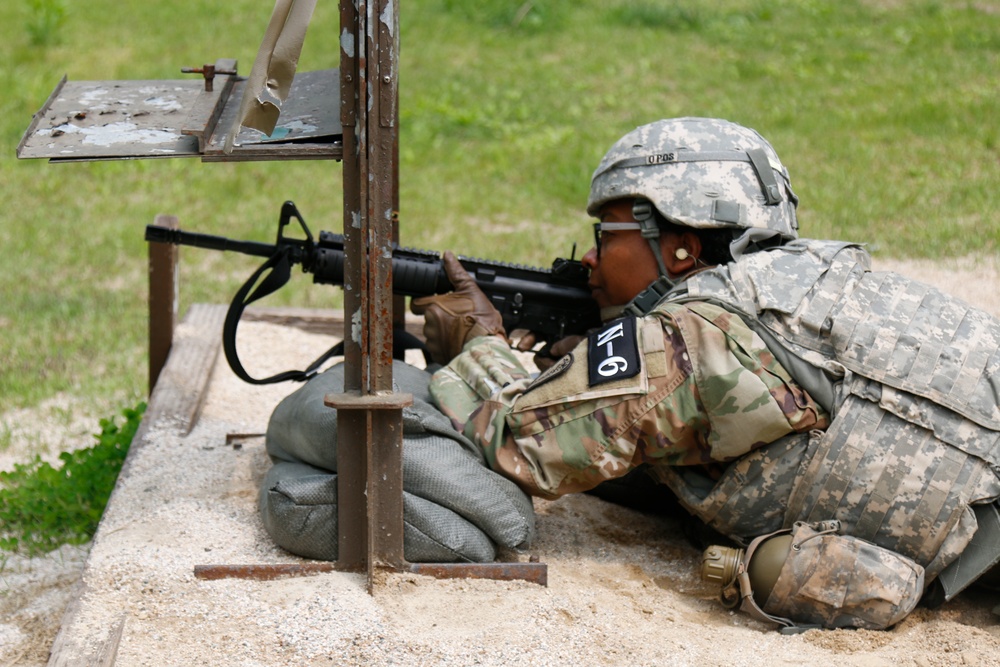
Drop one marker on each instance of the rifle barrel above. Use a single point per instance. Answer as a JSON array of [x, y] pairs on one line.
[[158, 234]]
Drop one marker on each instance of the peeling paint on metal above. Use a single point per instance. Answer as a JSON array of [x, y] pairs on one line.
[[356, 219], [164, 104], [104, 99], [114, 133], [356, 327], [90, 98], [295, 126], [299, 125], [347, 43], [387, 16]]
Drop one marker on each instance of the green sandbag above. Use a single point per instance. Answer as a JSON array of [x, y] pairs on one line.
[[455, 508]]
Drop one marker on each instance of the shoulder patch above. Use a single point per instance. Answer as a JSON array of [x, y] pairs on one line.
[[613, 352]]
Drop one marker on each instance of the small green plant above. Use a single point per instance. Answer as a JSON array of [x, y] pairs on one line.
[[656, 15], [43, 507], [6, 437], [45, 21], [527, 15]]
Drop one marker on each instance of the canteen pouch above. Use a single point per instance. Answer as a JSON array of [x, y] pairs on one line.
[[830, 580]]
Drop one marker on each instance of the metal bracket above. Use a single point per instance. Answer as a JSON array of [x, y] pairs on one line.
[[208, 72]]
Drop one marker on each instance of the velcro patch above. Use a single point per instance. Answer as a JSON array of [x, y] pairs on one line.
[[613, 352]]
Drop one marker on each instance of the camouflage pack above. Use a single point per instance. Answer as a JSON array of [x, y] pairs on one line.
[[830, 580]]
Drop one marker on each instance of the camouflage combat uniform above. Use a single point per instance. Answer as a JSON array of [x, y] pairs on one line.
[[709, 392], [891, 424]]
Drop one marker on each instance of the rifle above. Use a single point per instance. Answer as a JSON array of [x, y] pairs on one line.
[[551, 303]]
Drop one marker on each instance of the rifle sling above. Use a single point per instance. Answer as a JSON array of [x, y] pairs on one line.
[[280, 268]]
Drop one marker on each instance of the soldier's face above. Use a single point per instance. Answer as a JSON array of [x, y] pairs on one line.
[[626, 265]]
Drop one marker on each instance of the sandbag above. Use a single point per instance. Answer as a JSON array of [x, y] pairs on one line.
[[454, 507]]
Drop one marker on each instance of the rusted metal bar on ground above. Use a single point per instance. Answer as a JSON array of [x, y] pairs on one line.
[[369, 455], [162, 300], [535, 573], [261, 572]]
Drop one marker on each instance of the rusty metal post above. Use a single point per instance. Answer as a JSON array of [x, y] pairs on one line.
[[162, 300], [398, 302], [369, 421]]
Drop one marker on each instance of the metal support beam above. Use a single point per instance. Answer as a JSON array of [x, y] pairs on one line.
[[369, 459], [369, 413], [162, 300]]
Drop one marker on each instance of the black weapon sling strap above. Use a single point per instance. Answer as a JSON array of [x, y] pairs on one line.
[[279, 270], [279, 266]]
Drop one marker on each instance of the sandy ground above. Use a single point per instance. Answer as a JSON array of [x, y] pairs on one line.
[[623, 586]]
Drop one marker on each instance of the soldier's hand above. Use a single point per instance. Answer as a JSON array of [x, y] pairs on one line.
[[549, 354], [451, 320]]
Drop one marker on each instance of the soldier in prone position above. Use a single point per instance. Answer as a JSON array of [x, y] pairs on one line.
[[839, 424]]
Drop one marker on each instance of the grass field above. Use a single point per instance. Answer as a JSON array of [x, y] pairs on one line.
[[886, 113]]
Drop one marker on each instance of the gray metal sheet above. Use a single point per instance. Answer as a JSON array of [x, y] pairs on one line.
[[113, 120], [308, 127], [124, 120]]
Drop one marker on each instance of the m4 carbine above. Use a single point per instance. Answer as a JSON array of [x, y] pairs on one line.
[[551, 303]]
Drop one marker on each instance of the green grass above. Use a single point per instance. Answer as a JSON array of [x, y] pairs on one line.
[[885, 113], [43, 507]]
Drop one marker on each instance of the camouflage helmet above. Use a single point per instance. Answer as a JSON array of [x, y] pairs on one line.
[[701, 172]]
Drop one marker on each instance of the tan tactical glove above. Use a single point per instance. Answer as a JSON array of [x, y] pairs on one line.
[[451, 320]]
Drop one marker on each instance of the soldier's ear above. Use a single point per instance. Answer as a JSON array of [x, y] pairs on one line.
[[682, 252]]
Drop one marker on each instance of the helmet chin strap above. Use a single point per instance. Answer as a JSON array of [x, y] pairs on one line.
[[642, 211], [646, 300]]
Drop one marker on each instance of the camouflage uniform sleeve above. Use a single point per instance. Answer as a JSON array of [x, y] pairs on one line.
[[708, 391]]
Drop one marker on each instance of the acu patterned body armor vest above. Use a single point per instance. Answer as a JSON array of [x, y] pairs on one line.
[[911, 378]]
